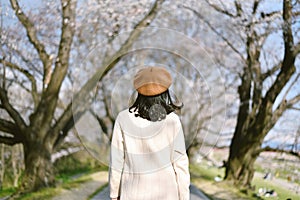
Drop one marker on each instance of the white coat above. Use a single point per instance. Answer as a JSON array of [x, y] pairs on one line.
[[148, 159]]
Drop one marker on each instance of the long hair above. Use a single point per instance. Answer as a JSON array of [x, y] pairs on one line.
[[154, 108]]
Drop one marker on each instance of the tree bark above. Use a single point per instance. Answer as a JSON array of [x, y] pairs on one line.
[[242, 156], [2, 166], [38, 167], [16, 163]]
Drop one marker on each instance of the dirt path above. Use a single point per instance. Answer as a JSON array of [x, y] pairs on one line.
[[100, 179], [84, 191], [215, 190]]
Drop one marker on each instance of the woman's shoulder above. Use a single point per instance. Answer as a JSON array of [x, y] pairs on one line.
[[173, 117], [123, 113]]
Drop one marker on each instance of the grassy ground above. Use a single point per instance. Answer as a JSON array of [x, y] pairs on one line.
[[71, 172], [203, 176], [282, 193], [6, 191], [47, 193]]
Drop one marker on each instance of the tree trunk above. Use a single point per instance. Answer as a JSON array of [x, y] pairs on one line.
[[2, 165], [17, 163], [240, 164], [38, 167]]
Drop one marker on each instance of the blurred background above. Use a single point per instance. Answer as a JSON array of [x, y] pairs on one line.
[[66, 70]]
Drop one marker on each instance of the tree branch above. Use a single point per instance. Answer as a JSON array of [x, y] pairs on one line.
[[27, 61], [281, 108], [4, 74], [216, 32], [10, 140], [11, 110], [280, 151], [100, 121], [296, 49], [284, 104], [217, 8], [253, 49], [293, 101], [288, 32], [255, 6], [106, 105], [81, 97], [46, 108], [9, 127], [269, 16], [288, 66], [290, 86], [294, 108], [271, 71], [32, 36], [31, 78], [68, 30]]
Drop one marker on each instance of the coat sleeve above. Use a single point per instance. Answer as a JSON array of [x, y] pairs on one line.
[[116, 160], [181, 164]]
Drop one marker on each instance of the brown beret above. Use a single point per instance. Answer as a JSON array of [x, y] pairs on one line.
[[152, 81]]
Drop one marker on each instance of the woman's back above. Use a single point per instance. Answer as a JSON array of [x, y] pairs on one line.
[[150, 149], [148, 155]]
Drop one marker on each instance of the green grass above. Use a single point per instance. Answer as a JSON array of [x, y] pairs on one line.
[[283, 171], [7, 191], [281, 192], [203, 173], [68, 176], [64, 182], [97, 191], [71, 171], [75, 183], [48, 193], [43, 194]]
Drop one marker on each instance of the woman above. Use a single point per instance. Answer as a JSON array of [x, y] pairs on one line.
[[148, 155]]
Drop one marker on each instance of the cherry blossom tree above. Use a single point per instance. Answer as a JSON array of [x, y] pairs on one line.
[[263, 45], [38, 51]]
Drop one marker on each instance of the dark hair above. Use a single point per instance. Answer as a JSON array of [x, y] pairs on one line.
[[154, 108]]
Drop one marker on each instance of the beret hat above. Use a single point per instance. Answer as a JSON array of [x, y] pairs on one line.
[[151, 81]]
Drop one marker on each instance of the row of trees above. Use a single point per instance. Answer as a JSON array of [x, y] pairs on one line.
[[59, 64]]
